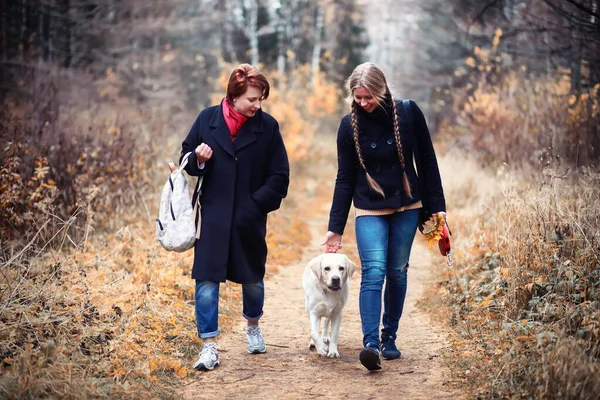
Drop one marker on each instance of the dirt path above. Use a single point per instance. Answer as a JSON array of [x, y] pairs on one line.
[[290, 371]]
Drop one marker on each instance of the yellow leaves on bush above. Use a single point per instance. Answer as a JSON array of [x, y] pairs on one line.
[[323, 99], [296, 130], [511, 116], [584, 107], [482, 55], [496, 40], [23, 195], [169, 57]]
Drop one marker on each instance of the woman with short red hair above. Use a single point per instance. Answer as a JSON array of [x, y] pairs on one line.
[[239, 151]]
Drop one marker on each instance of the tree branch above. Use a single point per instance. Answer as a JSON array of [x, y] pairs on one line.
[[482, 12], [583, 8]]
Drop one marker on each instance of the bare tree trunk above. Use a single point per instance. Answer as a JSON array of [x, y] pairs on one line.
[[316, 56], [549, 69], [295, 24], [44, 33], [63, 32], [23, 31], [281, 48], [248, 24], [576, 58], [156, 48], [3, 34], [252, 31], [508, 10], [228, 50], [282, 38]]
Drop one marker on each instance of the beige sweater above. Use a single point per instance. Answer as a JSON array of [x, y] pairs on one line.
[[359, 212]]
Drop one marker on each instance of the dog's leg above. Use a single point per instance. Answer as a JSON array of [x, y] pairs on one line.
[[325, 335], [311, 346], [315, 322], [336, 320]]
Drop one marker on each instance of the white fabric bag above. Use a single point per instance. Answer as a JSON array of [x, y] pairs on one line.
[[175, 225]]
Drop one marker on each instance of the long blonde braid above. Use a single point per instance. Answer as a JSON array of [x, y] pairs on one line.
[[407, 188], [370, 179]]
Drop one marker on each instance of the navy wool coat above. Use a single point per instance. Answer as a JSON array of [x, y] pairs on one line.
[[243, 181]]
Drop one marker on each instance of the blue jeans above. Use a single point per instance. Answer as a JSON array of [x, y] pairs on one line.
[[384, 244], [207, 305]]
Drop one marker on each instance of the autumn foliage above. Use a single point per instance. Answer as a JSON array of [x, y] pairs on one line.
[[524, 296], [505, 114]]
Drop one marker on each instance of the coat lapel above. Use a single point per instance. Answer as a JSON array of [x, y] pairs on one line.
[[221, 131], [247, 134]]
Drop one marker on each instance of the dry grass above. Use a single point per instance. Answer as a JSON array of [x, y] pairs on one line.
[[524, 296], [113, 318]]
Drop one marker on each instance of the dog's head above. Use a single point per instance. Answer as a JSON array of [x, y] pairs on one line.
[[332, 269]]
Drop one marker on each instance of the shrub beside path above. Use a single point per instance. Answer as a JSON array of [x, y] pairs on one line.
[[290, 370]]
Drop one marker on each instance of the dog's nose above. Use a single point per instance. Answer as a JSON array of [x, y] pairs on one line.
[[335, 279]]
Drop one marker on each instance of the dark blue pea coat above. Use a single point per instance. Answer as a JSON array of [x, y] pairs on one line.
[[243, 181]]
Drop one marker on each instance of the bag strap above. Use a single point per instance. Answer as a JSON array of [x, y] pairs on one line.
[[197, 206], [408, 112], [184, 160], [410, 124]]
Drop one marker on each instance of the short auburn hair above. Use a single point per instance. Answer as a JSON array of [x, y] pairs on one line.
[[245, 75]]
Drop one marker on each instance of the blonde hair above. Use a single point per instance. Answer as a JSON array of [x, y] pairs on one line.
[[370, 77]]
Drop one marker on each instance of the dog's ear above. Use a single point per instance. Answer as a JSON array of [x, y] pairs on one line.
[[315, 265], [351, 266]]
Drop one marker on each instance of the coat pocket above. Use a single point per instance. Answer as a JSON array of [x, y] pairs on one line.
[[248, 215]]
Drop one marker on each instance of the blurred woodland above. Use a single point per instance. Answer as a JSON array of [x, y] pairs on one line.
[[97, 95]]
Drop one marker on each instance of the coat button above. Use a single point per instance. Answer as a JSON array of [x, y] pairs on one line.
[[394, 166], [397, 193], [373, 145], [390, 141]]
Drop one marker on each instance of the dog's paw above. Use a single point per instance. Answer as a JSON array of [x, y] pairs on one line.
[[333, 354], [322, 350]]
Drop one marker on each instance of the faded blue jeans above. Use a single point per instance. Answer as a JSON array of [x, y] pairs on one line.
[[384, 244], [207, 305]]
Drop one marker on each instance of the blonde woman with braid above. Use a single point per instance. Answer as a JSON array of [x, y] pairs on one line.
[[375, 146]]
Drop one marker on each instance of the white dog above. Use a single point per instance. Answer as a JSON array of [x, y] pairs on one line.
[[326, 287]]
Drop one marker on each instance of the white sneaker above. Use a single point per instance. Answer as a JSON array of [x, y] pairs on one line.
[[208, 358], [256, 344]]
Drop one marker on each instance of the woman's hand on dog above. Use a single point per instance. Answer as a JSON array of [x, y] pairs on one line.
[[333, 242]]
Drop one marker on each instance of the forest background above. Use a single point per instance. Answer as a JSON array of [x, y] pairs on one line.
[[98, 94]]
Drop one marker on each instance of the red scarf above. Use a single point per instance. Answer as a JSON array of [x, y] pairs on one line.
[[233, 119]]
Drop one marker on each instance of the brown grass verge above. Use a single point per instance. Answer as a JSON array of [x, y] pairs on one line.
[[523, 298]]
